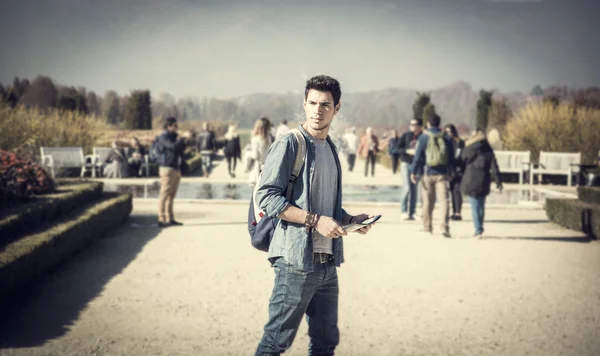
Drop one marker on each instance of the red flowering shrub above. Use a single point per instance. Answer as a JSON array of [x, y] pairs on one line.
[[20, 179]]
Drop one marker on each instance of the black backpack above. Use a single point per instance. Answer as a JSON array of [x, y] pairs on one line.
[[260, 225]]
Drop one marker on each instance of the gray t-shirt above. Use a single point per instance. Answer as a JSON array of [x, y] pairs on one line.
[[324, 190]]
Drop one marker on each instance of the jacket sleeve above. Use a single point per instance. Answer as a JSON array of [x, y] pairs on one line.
[[237, 147], [495, 170], [402, 145], [419, 161], [275, 176]]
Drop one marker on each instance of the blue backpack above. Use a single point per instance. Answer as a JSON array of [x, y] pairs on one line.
[[260, 225], [154, 154]]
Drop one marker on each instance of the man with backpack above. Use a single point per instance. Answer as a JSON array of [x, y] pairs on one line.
[[306, 245], [433, 162]]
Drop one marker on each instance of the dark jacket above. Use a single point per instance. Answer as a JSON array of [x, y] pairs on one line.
[[233, 148], [459, 165], [419, 166], [170, 150], [393, 144], [207, 141], [480, 167], [406, 143]]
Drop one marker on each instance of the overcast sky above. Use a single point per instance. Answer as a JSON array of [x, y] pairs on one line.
[[231, 48]]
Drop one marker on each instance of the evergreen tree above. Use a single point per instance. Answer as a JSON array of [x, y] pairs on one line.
[[483, 108], [420, 103], [428, 112], [138, 114]]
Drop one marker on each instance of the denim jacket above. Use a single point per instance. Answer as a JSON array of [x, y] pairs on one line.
[[290, 240]]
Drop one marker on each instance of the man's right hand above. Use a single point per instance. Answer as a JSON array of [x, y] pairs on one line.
[[413, 178], [330, 228]]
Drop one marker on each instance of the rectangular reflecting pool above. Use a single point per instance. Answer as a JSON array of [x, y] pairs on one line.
[[355, 193]]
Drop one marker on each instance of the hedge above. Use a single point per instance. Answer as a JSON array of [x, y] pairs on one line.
[[30, 258], [20, 219], [575, 215], [589, 194]]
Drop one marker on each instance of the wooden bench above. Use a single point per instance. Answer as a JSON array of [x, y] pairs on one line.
[[100, 155], [556, 163], [64, 157], [513, 162]]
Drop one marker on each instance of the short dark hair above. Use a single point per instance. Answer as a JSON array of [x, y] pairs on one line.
[[419, 121], [324, 83], [169, 121], [284, 122], [434, 120]]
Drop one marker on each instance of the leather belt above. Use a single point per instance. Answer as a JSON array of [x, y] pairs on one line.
[[322, 257]]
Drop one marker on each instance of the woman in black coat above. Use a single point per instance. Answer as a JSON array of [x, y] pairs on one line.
[[458, 145], [480, 168], [232, 150]]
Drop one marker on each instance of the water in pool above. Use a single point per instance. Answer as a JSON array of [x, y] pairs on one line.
[[364, 193]]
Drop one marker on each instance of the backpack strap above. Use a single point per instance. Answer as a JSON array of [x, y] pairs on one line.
[[298, 161]]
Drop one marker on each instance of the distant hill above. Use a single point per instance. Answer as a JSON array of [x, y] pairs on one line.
[[387, 108]]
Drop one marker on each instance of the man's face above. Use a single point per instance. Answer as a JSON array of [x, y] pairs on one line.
[[414, 126], [319, 109], [172, 128]]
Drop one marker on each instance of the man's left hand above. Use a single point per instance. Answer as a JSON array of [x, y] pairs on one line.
[[360, 218]]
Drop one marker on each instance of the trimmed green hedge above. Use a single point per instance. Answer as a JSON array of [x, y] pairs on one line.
[[589, 194], [32, 257], [22, 218], [575, 215]]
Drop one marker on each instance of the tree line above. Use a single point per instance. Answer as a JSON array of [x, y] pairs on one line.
[[388, 108]]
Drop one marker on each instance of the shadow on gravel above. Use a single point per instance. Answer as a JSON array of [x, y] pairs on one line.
[[579, 239], [52, 307]]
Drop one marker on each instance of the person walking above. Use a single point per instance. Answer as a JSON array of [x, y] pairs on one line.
[[307, 244], [433, 163], [368, 149], [351, 141], [406, 148], [170, 149], [207, 147], [259, 143], [456, 196], [394, 150], [232, 150], [480, 169]]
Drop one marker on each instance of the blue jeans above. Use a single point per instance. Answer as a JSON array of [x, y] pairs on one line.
[[296, 293], [206, 162], [408, 193], [478, 211]]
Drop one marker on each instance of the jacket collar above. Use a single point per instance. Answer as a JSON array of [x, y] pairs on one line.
[[478, 137]]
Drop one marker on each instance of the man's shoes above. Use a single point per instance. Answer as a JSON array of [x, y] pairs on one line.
[[161, 224], [446, 233], [175, 223], [409, 218], [456, 217]]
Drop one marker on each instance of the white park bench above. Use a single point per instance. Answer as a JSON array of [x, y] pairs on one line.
[[64, 157], [556, 163], [100, 155], [513, 162]]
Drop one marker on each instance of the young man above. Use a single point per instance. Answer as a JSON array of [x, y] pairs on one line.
[[207, 147], [406, 148], [434, 176], [307, 244], [170, 160]]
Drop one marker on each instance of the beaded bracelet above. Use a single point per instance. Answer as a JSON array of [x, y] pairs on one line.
[[311, 221]]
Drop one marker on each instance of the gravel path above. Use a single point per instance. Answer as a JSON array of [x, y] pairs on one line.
[[531, 288]]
